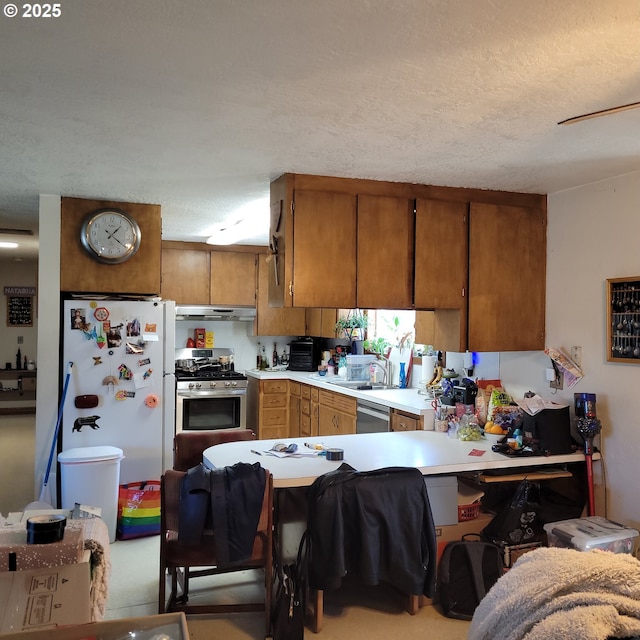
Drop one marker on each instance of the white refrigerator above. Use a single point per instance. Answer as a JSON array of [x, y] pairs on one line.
[[121, 389]]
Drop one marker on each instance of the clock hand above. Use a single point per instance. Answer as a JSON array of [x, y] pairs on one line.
[[120, 243], [110, 235]]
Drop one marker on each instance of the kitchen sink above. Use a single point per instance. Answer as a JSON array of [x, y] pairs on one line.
[[360, 384]]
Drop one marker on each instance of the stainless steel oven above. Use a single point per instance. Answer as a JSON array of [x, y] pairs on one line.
[[207, 404]]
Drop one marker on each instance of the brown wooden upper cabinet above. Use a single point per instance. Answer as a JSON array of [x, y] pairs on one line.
[[385, 252], [185, 275], [470, 261], [507, 277], [275, 321], [321, 322], [441, 262], [324, 249], [233, 278], [194, 274]]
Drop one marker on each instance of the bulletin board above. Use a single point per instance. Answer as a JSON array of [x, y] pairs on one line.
[[19, 306]]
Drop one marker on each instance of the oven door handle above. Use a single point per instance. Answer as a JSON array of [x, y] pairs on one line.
[[211, 394]]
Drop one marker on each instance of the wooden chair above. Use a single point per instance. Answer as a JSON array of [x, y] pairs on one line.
[[189, 445], [387, 513], [184, 562]]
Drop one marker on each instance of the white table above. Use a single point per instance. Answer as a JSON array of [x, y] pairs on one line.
[[431, 452]]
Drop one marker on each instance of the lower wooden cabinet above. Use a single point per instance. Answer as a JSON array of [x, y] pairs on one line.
[[294, 409], [336, 414], [268, 408], [401, 421]]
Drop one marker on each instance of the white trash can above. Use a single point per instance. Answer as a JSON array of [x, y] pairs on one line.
[[91, 476]]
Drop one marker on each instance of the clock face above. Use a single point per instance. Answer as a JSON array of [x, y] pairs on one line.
[[110, 235]]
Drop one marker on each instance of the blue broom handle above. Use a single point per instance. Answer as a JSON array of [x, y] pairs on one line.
[[55, 435]]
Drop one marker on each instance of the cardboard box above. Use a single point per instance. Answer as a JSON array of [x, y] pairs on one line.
[[44, 598], [173, 625], [446, 534], [443, 498], [13, 540]]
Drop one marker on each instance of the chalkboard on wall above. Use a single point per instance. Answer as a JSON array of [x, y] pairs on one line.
[[19, 306]]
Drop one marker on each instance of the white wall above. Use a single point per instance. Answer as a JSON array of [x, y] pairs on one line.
[[48, 339], [592, 235], [234, 335]]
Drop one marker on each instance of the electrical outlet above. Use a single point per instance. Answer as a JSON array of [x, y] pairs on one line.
[[20, 339], [576, 355], [558, 382]]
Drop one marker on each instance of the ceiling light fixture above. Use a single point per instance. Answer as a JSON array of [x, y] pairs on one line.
[[230, 234], [8, 245], [250, 220]]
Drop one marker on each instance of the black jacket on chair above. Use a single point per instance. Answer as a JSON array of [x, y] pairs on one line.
[[227, 500], [376, 525]]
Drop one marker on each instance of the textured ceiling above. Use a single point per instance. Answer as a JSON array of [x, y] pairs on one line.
[[197, 105]]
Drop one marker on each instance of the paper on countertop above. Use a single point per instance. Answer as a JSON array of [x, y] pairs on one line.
[[300, 453], [538, 403], [281, 450]]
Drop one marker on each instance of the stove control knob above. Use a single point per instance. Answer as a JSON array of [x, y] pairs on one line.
[[198, 385], [212, 385], [227, 383], [191, 385], [234, 384]]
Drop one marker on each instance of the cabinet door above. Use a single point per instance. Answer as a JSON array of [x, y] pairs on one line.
[[385, 253], [315, 405], [275, 321], [324, 249], [403, 422], [294, 417], [321, 323], [441, 261], [507, 260], [233, 278], [332, 422], [185, 276]]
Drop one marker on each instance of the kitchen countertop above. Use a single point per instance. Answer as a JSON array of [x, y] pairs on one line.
[[407, 400], [431, 452]]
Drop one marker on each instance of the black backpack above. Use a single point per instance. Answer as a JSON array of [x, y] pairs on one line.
[[466, 572]]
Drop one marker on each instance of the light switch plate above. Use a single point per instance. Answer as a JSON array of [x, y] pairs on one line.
[[576, 355]]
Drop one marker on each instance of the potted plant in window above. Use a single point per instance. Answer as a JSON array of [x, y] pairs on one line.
[[353, 325]]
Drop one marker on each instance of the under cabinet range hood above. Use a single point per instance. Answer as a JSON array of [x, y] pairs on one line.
[[211, 312]]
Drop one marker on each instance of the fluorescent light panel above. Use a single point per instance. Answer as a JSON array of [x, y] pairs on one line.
[[246, 222]]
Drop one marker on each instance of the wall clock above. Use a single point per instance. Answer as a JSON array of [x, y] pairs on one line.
[[110, 236]]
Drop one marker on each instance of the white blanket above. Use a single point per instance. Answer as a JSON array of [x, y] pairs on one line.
[[562, 594]]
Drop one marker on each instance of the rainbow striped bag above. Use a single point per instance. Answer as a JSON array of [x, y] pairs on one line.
[[138, 509]]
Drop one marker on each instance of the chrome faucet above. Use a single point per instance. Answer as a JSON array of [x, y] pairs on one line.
[[384, 368]]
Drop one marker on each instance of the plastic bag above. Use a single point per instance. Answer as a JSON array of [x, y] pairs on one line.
[[138, 509], [519, 520]]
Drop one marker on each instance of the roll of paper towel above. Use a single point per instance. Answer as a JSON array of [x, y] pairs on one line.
[[428, 366]]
